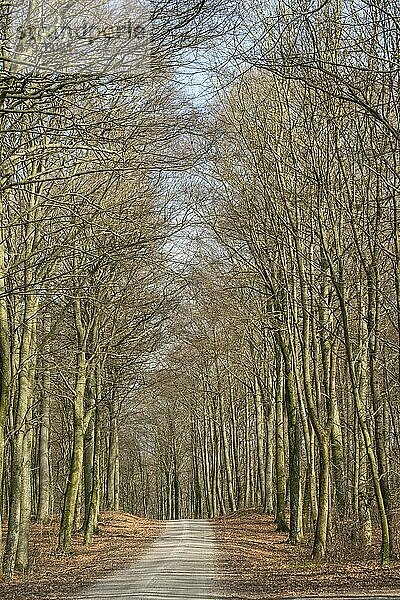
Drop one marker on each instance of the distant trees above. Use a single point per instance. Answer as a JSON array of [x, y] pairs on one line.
[[287, 364], [89, 116]]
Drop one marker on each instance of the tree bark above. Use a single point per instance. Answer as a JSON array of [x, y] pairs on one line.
[[294, 435], [80, 423], [280, 518]]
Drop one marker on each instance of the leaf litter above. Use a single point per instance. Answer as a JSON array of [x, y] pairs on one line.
[[120, 540], [256, 562]]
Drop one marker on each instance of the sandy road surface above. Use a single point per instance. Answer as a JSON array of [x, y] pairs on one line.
[[179, 566]]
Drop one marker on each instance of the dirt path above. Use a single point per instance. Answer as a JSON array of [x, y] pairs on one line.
[[180, 565]]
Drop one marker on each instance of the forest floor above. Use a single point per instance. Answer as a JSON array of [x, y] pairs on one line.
[[256, 562], [121, 539]]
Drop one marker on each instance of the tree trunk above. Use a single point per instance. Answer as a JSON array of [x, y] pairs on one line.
[[226, 452], [294, 434], [43, 512], [381, 435], [248, 473], [260, 438], [280, 470], [321, 530], [5, 374], [94, 506], [23, 400], [80, 423], [22, 558], [269, 461], [113, 463]]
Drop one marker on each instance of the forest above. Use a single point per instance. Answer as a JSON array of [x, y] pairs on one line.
[[200, 266]]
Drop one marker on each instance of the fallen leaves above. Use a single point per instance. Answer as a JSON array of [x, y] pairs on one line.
[[121, 539], [256, 562]]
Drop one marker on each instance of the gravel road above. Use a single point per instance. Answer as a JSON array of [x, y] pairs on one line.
[[179, 566]]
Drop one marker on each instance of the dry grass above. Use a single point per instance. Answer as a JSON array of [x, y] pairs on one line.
[[256, 562], [121, 539]]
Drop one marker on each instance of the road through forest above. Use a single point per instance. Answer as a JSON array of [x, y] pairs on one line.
[[179, 566]]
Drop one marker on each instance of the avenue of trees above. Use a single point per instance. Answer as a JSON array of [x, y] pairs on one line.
[[86, 135], [281, 389], [200, 301]]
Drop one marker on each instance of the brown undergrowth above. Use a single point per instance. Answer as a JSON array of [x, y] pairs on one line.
[[121, 539], [257, 562]]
